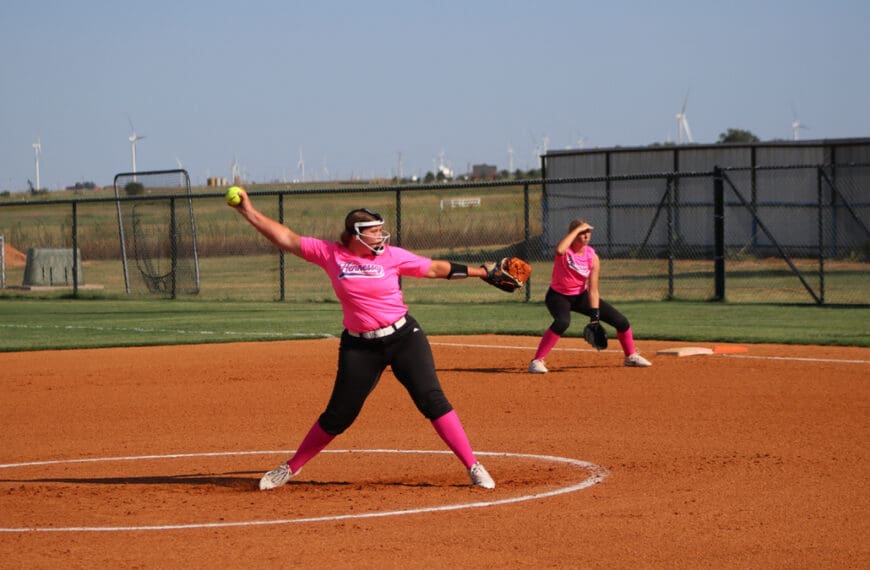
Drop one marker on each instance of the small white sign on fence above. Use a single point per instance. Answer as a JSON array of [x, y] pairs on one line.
[[460, 203]]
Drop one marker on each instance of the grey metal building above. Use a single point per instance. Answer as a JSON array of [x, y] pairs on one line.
[[804, 195]]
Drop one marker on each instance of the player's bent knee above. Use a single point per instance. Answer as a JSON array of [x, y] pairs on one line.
[[334, 423], [559, 326], [434, 405]]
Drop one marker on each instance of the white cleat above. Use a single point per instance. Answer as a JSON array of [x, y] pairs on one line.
[[277, 477], [480, 476], [537, 367], [636, 360]]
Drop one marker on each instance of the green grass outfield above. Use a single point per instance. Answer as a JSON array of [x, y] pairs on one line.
[[42, 324]]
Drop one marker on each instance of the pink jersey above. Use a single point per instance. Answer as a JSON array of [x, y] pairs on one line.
[[571, 271], [367, 287]]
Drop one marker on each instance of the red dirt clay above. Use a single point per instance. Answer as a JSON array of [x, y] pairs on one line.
[[13, 257], [755, 460]]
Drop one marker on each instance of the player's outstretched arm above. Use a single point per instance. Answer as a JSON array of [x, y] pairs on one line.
[[447, 270], [509, 274], [275, 232]]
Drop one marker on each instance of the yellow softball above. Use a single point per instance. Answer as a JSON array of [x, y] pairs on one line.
[[233, 197]]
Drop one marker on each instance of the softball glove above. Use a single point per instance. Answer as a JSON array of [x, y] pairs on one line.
[[595, 335], [509, 274]]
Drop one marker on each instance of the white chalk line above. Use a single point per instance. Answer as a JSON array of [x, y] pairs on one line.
[[173, 331], [596, 473], [532, 349], [798, 359]]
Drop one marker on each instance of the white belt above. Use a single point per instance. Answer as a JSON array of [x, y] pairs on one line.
[[380, 333]]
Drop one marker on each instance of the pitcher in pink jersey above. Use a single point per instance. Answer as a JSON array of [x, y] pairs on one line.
[[364, 271], [574, 287]]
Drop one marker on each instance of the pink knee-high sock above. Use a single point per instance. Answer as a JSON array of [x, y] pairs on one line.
[[626, 340], [548, 341], [311, 445], [451, 431]]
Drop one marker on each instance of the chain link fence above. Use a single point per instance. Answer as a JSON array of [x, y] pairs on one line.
[[729, 234]]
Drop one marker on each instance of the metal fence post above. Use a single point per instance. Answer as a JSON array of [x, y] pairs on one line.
[[753, 188], [608, 209], [173, 247], [281, 281], [526, 236], [399, 223], [718, 235], [670, 224], [2, 262], [121, 238], [75, 248], [398, 216], [821, 219]]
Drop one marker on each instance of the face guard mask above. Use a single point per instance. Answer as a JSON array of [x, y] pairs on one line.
[[378, 248]]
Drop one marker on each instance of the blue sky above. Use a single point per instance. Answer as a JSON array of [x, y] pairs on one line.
[[354, 84]]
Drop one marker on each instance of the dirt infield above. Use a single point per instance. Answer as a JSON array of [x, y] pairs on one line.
[[149, 457]]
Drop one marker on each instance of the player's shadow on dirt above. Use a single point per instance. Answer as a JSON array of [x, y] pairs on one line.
[[557, 369], [516, 370], [484, 370], [232, 482], [227, 480]]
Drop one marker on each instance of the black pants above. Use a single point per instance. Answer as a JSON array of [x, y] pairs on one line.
[[560, 306], [361, 363]]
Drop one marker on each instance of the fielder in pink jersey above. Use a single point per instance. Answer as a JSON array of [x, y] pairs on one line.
[[574, 287], [379, 332]]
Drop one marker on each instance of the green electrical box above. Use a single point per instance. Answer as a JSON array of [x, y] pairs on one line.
[[52, 267]]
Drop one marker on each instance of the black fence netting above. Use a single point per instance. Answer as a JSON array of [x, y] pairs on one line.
[[761, 235]]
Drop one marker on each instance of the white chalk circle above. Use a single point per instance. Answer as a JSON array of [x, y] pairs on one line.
[[593, 474]]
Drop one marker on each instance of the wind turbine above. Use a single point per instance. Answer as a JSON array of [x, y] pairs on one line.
[[133, 138], [536, 151], [37, 150], [235, 172], [444, 165], [683, 123], [510, 151], [796, 125], [540, 149], [301, 166]]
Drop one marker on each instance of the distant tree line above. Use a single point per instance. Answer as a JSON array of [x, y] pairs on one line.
[[737, 136], [729, 136], [83, 186]]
